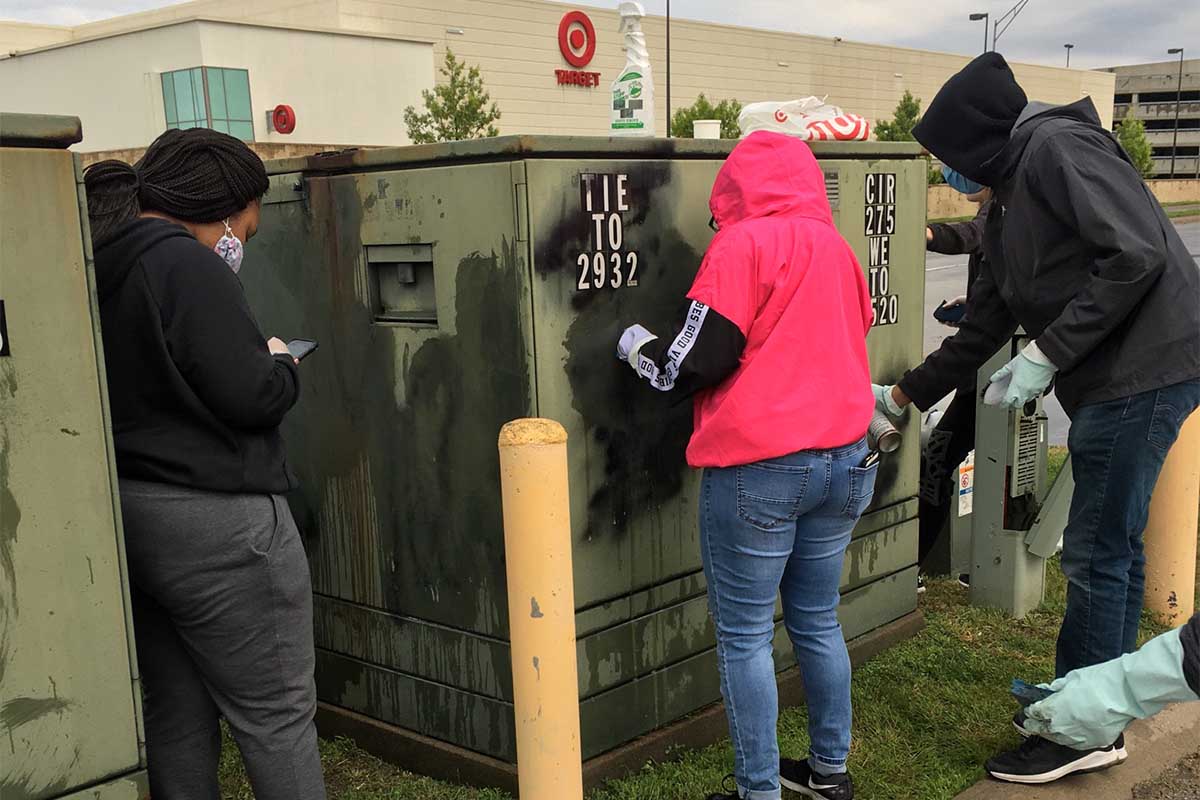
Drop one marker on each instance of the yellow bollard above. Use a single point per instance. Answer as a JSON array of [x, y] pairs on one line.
[[541, 608], [1171, 530]]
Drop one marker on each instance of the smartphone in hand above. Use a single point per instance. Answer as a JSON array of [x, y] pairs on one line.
[[301, 348], [950, 315]]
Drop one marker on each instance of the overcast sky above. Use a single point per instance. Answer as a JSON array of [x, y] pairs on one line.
[[1105, 32]]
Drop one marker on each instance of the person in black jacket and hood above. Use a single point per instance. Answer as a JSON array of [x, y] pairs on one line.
[[222, 602], [1081, 255], [953, 437]]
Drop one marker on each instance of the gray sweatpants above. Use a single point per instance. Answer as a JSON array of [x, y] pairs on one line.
[[222, 609]]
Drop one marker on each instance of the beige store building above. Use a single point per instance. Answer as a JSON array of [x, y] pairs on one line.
[[349, 67]]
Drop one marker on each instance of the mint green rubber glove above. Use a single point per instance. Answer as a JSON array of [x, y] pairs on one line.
[[1090, 707], [1027, 377], [885, 402]]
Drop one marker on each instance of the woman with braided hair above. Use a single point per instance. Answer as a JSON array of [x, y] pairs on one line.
[[222, 601]]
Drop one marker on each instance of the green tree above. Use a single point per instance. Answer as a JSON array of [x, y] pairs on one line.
[[727, 111], [1132, 135], [899, 128], [935, 175], [458, 108]]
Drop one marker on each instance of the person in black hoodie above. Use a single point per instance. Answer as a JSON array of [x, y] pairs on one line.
[[953, 437], [1083, 258], [222, 602]]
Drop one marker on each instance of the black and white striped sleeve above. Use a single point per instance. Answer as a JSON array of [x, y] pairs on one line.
[[704, 350]]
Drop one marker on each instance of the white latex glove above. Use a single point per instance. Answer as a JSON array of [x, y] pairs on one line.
[[631, 343]]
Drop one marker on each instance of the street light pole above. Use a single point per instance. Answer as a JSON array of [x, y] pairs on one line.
[[1008, 19], [668, 69], [984, 17], [1178, 100], [1068, 46]]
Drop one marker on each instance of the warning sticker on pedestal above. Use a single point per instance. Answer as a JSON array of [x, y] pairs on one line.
[[966, 485]]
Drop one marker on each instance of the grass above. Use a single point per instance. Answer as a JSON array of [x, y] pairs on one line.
[[351, 774], [928, 713]]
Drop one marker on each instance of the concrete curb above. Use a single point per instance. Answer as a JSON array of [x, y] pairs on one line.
[[1154, 746]]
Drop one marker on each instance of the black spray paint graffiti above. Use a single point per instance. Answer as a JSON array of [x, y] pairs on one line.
[[642, 433], [420, 408]]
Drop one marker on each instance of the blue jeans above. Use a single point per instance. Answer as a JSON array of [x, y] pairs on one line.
[[782, 526], [1117, 451]]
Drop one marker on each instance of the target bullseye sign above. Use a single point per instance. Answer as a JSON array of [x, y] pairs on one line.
[[577, 43]]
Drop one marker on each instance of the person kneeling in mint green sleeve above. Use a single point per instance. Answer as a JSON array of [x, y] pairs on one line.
[[1092, 706]]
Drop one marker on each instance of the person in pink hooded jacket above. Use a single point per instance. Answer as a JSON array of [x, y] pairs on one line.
[[773, 345]]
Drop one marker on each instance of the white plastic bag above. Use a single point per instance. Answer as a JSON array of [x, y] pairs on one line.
[[809, 118]]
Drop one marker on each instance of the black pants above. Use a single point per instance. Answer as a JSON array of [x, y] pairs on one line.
[[949, 443]]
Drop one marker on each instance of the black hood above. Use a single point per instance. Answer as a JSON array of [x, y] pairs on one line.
[[1033, 117], [120, 253], [971, 117]]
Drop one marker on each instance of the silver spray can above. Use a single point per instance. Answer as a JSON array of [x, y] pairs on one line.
[[882, 434]]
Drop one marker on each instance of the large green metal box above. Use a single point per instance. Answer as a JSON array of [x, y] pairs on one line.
[[453, 288], [70, 701]]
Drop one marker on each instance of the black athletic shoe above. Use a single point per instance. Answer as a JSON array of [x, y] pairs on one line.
[[964, 580], [800, 777], [1040, 760], [1019, 723], [920, 584], [725, 793]]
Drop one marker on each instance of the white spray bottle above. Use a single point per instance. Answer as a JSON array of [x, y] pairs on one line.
[[633, 91]]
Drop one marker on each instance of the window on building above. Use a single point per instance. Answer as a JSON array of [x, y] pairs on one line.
[[1169, 124], [1123, 98], [1182, 151], [209, 97], [1168, 97]]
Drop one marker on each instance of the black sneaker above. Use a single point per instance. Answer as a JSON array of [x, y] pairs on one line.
[[1040, 760], [964, 580], [1019, 723], [725, 794], [800, 777], [920, 584]]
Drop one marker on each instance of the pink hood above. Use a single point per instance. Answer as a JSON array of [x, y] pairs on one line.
[[769, 174], [780, 271]]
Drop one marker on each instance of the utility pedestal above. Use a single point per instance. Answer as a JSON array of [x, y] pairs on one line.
[[1010, 478]]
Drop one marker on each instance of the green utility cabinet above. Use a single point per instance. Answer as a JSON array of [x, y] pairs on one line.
[[70, 700], [455, 287]]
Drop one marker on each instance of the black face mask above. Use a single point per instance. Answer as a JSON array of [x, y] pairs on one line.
[[712, 223]]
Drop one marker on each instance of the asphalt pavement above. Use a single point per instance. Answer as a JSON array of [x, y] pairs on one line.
[[946, 278]]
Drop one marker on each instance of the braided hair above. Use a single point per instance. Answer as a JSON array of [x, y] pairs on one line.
[[195, 175]]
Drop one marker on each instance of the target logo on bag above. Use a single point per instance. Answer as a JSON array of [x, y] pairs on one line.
[[808, 118], [846, 127], [577, 39]]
